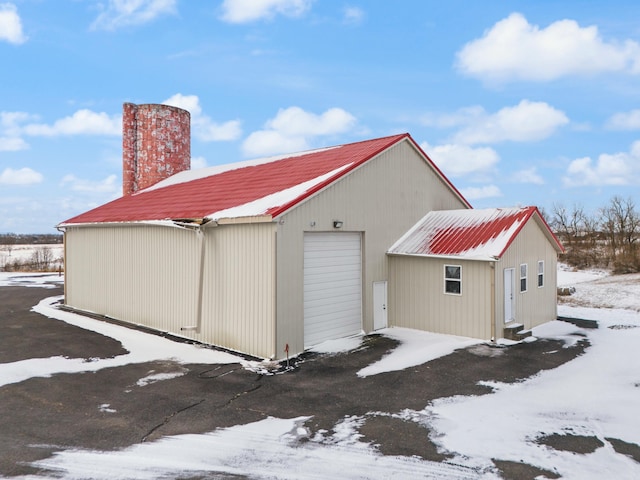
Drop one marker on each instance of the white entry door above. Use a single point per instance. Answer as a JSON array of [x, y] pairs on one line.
[[332, 286], [509, 298], [379, 305]]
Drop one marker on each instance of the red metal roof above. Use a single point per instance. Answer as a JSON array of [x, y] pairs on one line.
[[258, 184], [473, 234]]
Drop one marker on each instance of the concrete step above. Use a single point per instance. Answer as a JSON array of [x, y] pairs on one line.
[[511, 332]]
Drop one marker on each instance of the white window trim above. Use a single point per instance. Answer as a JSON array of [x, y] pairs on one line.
[[459, 280], [540, 273], [525, 277]]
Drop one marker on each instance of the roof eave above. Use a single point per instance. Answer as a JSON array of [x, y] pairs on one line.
[[480, 258]]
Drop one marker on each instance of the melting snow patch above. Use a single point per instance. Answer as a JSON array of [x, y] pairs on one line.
[[339, 345], [157, 377], [266, 449], [416, 348], [41, 280]]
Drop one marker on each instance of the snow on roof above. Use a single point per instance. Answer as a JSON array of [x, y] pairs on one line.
[[467, 234], [189, 175], [263, 187]]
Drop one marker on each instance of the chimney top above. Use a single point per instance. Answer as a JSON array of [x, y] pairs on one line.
[[156, 144]]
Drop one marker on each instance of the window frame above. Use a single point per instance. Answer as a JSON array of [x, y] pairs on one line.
[[540, 273], [450, 280], [524, 278]]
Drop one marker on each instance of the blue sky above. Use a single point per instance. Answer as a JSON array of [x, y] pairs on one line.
[[519, 103]]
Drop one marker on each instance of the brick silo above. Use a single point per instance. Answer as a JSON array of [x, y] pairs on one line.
[[156, 143]]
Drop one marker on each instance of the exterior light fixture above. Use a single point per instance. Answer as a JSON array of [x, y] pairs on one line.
[[337, 224]]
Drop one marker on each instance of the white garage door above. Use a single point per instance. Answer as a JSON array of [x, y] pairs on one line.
[[332, 286]]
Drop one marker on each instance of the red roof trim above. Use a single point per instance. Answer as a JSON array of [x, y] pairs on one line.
[[530, 212], [321, 186]]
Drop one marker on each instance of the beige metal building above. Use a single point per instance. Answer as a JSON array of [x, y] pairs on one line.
[[477, 273], [262, 257], [271, 256]]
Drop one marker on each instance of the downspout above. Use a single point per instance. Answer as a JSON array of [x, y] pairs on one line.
[[493, 301], [201, 244], [200, 277], [64, 260]]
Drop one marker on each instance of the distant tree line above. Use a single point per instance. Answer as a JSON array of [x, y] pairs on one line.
[[30, 238], [609, 238]]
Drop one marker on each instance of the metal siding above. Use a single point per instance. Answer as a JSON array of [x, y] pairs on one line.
[[142, 274], [239, 288], [417, 299], [382, 199], [536, 305], [150, 276]]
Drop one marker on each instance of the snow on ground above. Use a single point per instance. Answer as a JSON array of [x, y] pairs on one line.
[[416, 347], [142, 347], [594, 395], [569, 277], [23, 253], [42, 280]]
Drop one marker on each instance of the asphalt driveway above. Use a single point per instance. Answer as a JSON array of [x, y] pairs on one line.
[[40, 416]]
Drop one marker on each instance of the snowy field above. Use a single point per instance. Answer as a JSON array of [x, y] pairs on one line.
[[24, 253], [595, 395]]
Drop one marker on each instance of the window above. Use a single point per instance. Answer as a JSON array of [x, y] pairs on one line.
[[453, 279], [541, 273], [523, 277]]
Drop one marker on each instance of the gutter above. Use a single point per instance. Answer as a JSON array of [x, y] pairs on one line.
[[445, 257]]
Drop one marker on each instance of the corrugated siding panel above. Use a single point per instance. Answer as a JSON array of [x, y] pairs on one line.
[[239, 288], [150, 276], [536, 305], [417, 299], [382, 200], [142, 274]]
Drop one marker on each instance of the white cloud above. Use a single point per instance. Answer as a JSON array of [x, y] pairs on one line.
[[292, 129], [107, 185], [353, 15], [198, 162], [621, 168], [22, 176], [9, 121], [476, 193], [529, 175], [456, 160], [82, 122], [12, 144], [203, 127], [625, 121], [246, 11], [124, 13], [10, 24], [528, 121], [10, 133], [513, 49], [268, 142]]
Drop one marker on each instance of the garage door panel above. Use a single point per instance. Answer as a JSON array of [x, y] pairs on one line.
[[332, 286], [319, 306]]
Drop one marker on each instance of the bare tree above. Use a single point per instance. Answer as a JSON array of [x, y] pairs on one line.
[[621, 224], [9, 240], [41, 259]]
